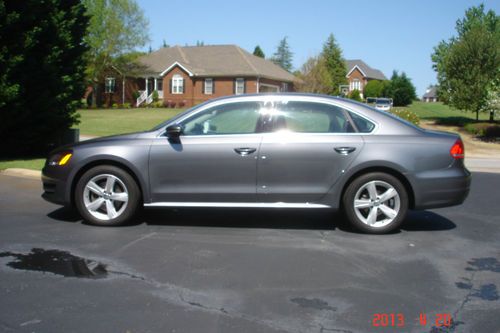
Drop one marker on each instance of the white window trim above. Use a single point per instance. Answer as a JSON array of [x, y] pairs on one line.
[[106, 85], [177, 84], [205, 90], [270, 86], [242, 80]]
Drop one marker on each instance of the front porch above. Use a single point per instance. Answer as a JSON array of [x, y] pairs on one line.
[[147, 88]]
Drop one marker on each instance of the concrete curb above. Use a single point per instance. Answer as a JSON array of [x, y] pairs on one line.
[[23, 173]]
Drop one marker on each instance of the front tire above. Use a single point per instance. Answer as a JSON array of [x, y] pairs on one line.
[[375, 203], [107, 196]]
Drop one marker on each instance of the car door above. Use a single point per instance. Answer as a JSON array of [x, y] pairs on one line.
[[311, 147], [213, 160]]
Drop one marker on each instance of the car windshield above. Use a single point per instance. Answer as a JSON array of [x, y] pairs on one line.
[[383, 101]]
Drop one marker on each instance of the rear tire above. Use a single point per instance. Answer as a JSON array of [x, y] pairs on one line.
[[375, 203], [107, 196]]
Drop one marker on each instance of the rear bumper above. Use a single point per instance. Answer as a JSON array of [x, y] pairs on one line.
[[443, 188]]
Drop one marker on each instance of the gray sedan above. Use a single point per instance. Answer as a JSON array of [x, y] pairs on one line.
[[292, 151]]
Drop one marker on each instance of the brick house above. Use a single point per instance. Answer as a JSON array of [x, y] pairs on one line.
[[358, 76], [186, 76]]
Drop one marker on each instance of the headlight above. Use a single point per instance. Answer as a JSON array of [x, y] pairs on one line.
[[61, 158]]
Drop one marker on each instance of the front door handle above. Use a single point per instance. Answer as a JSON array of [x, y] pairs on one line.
[[344, 150], [244, 151]]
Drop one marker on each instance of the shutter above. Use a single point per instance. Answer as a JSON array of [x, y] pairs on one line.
[[183, 85], [171, 88], [244, 86], [203, 87], [234, 86], [213, 86]]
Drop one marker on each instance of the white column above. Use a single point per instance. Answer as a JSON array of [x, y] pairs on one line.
[[147, 91], [156, 84]]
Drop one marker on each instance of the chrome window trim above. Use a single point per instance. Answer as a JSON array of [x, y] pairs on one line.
[[271, 99]]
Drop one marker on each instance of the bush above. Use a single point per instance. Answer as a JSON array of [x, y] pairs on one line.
[[406, 114], [155, 96], [355, 95], [135, 95], [115, 106], [126, 105], [454, 121], [486, 130]]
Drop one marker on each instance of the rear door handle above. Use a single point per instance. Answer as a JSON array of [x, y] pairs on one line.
[[344, 150], [244, 151]]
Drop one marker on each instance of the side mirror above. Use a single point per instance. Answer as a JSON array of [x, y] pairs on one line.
[[174, 131]]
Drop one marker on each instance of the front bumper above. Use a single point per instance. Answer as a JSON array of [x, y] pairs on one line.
[[54, 188]]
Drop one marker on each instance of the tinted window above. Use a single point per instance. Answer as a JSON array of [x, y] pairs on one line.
[[233, 118], [363, 125], [308, 117]]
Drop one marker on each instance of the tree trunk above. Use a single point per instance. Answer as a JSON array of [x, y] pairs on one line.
[[477, 115], [94, 94], [492, 116]]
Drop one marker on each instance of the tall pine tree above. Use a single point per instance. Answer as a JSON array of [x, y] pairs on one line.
[[335, 65], [283, 55]]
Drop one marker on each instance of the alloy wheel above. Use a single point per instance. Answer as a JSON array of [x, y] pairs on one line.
[[105, 197]]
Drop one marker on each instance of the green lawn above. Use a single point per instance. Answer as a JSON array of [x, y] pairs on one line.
[[439, 110], [102, 122], [34, 164]]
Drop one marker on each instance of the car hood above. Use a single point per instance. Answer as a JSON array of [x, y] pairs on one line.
[[127, 136]]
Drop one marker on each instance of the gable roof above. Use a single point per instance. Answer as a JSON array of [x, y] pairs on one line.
[[431, 92], [367, 71], [213, 61]]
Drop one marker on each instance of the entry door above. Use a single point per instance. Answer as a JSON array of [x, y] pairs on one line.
[[311, 147], [214, 160]]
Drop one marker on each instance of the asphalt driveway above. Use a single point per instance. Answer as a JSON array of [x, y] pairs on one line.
[[248, 270]]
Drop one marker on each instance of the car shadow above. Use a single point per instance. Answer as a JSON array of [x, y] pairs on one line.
[[262, 219]]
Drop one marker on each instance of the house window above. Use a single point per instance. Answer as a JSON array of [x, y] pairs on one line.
[[284, 87], [239, 87], [355, 85], [177, 84], [209, 87], [109, 85]]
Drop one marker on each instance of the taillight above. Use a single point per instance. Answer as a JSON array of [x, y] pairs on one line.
[[457, 151]]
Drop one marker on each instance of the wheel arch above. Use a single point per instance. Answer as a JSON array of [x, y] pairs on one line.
[[384, 169], [100, 162]]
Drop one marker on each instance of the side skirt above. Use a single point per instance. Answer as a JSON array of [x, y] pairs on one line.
[[237, 204]]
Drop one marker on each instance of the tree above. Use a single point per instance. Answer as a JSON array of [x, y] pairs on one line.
[[258, 52], [335, 64], [116, 27], [326, 72], [283, 56], [376, 88], [315, 77], [165, 44], [200, 43], [401, 90], [468, 63], [42, 72]]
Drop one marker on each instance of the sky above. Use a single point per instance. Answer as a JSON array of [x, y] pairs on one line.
[[386, 34]]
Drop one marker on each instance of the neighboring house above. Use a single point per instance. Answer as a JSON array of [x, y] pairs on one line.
[[186, 76], [358, 75], [430, 95]]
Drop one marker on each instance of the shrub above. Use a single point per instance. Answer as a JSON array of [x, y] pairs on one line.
[[486, 130], [355, 95], [454, 121], [155, 96], [136, 95], [406, 114], [115, 106], [126, 105]]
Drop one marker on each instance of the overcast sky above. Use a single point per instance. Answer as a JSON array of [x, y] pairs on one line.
[[387, 35]]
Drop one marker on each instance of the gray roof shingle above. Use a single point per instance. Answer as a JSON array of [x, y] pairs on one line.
[[370, 73], [214, 61]]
